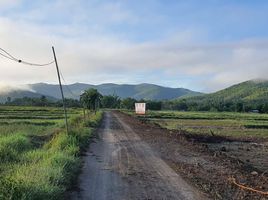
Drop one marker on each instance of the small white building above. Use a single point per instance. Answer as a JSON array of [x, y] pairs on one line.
[[140, 108]]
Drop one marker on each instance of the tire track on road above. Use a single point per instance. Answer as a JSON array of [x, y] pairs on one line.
[[119, 165]]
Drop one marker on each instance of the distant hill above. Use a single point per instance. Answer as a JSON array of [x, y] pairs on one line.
[[253, 90], [140, 91], [253, 94]]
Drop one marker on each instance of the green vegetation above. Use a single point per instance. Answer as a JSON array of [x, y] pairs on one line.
[[42, 101], [213, 123], [38, 159], [90, 99], [128, 103], [110, 101], [243, 97]]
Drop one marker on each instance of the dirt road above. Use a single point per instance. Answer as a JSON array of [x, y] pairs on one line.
[[120, 165]]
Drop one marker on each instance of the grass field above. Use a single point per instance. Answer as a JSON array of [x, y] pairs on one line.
[[38, 159], [217, 123]]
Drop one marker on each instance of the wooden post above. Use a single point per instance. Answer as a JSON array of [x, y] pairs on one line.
[[62, 95]]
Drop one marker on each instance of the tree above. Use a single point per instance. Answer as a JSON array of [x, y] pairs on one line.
[[128, 103], [110, 101], [154, 105], [90, 99]]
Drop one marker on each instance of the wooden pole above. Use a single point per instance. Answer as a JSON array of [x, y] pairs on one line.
[[62, 95]]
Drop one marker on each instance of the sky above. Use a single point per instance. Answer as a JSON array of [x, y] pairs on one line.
[[201, 45]]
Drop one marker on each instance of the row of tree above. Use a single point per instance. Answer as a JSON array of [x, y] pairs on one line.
[[216, 105], [92, 99], [42, 101]]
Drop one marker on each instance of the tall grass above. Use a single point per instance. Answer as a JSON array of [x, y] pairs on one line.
[[43, 173], [12, 146]]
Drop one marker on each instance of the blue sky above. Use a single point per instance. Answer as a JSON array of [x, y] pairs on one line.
[[202, 45]]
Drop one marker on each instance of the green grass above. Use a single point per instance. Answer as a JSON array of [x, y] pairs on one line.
[[206, 115], [38, 159], [219, 123]]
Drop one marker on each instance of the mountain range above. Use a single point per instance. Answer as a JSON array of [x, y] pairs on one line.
[[139, 91], [248, 91]]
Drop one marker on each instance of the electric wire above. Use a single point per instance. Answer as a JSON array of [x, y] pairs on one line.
[[69, 90], [9, 56], [7, 53], [38, 65]]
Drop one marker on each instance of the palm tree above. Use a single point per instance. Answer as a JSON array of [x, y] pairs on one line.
[[90, 99]]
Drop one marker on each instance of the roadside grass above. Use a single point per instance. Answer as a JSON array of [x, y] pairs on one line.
[[43, 171], [250, 125]]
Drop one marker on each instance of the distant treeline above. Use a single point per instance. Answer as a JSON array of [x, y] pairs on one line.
[[42, 101], [187, 104], [109, 101], [197, 104]]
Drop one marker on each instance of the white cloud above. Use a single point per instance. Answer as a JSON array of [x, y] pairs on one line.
[[5, 88], [87, 54]]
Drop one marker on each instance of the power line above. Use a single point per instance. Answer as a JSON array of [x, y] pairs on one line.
[[35, 64], [69, 90], [8, 53], [7, 57], [11, 57]]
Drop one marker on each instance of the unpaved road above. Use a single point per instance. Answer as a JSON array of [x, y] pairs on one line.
[[120, 165]]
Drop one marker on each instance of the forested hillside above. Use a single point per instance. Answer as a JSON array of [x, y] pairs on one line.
[[246, 96]]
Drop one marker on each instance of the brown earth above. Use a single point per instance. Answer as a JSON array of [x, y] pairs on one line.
[[132, 159], [210, 162]]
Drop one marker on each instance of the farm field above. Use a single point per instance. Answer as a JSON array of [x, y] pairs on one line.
[[38, 158], [227, 146], [240, 135], [245, 125]]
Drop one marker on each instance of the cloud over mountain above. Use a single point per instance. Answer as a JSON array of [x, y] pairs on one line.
[[99, 43]]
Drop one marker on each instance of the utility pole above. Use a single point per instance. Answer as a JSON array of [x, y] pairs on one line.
[[62, 95]]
